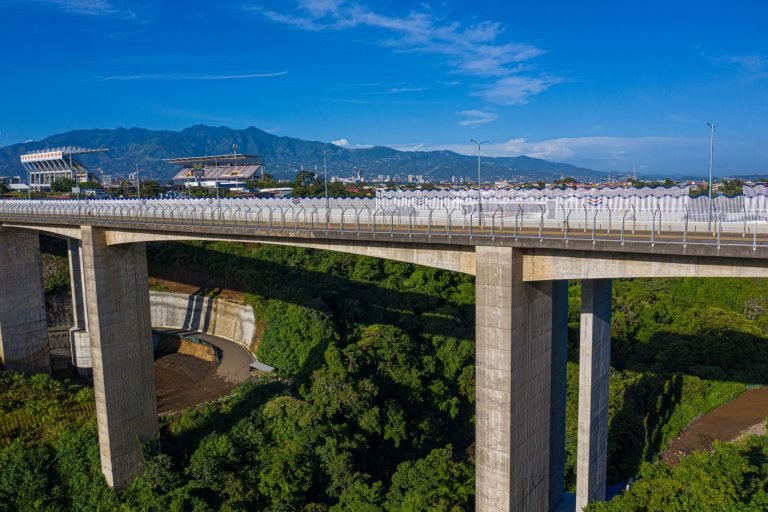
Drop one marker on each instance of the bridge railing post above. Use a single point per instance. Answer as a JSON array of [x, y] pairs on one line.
[[563, 207], [658, 208], [357, 219], [653, 228], [754, 234], [343, 213], [567, 225], [269, 217], [586, 223], [623, 223], [429, 221], [634, 218], [744, 219], [541, 223], [719, 227], [594, 226], [685, 228]]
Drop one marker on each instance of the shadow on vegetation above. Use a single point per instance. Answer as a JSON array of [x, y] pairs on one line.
[[726, 355], [636, 431], [354, 301], [198, 423]]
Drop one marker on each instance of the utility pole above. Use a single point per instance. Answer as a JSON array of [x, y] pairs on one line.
[[479, 192], [138, 182], [712, 127], [325, 182]]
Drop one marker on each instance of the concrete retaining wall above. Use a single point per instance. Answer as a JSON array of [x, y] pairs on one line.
[[212, 316]]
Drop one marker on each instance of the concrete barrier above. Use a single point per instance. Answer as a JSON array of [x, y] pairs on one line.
[[216, 317]]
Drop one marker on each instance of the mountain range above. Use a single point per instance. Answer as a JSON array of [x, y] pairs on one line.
[[282, 156]]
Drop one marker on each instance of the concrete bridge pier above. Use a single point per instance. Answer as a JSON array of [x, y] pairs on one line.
[[520, 385], [594, 373], [79, 340], [23, 322], [117, 303]]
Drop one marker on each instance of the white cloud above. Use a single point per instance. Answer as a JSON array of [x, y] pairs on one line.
[[469, 49], [516, 90], [397, 90], [104, 8], [753, 64], [184, 76], [474, 117], [344, 143], [657, 154]]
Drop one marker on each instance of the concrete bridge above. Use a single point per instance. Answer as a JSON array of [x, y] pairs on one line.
[[521, 264]]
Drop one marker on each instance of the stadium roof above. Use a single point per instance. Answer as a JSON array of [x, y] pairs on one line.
[[65, 151], [191, 160], [220, 173]]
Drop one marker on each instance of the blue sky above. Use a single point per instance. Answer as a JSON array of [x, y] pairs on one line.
[[602, 84]]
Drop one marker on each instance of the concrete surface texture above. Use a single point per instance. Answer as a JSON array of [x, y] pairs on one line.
[[23, 323], [547, 265], [80, 342], [514, 376], [594, 372], [559, 371], [117, 303], [217, 317]]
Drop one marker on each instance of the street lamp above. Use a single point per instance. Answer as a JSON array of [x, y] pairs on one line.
[[712, 127], [479, 193], [325, 182], [138, 182]]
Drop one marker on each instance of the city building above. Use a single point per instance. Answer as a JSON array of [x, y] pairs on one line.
[[218, 171], [46, 166], [14, 183]]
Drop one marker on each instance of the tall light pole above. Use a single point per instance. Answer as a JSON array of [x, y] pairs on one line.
[[712, 127], [325, 181], [479, 193], [138, 182]]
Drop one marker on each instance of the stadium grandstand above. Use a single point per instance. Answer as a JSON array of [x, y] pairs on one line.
[[218, 171], [45, 166]]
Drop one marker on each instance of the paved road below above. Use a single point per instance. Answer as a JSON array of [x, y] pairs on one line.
[[183, 381]]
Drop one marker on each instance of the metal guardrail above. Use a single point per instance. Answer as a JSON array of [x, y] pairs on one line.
[[650, 226]]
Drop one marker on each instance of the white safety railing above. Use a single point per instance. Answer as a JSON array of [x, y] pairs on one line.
[[491, 219]]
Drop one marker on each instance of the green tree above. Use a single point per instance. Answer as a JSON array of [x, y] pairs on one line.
[[295, 340], [434, 483], [150, 188], [264, 180], [732, 187], [63, 185]]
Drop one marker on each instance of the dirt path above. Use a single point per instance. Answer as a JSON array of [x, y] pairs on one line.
[[742, 416], [183, 381]]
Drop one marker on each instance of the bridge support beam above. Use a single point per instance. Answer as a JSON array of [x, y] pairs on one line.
[[23, 322], [520, 385], [117, 304], [78, 335], [594, 373]]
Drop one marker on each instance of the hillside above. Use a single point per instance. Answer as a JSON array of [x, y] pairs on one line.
[[283, 156]]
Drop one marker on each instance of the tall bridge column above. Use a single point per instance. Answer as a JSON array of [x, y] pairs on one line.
[[117, 303], [594, 372], [78, 335], [23, 322], [520, 385]]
